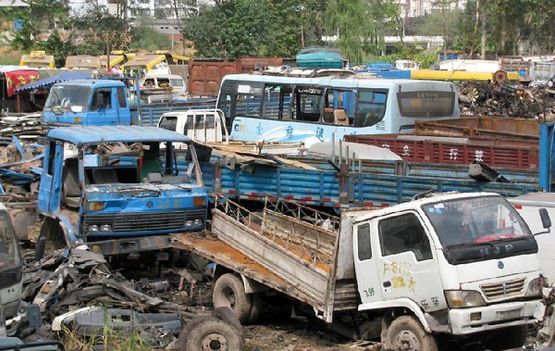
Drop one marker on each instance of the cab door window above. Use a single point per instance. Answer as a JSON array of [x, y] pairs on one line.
[[404, 233], [102, 100]]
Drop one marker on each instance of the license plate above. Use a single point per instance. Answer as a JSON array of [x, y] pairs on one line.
[[510, 314]]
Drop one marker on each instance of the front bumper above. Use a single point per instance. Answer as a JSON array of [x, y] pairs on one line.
[[495, 316]]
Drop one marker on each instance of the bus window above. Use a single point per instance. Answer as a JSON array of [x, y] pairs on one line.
[[339, 107], [309, 102], [271, 101], [248, 100], [370, 107], [225, 101], [426, 103]]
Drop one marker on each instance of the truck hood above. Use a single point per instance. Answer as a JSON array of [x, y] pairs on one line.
[[497, 268]]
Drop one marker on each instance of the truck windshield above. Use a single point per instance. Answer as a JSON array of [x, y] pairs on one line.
[[9, 252], [64, 97], [136, 163], [473, 221]]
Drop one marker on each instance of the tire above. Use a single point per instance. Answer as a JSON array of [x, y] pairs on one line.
[[184, 333], [406, 333], [51, 238], [506, 338], [226, 314], [213, 334], [230, 292]]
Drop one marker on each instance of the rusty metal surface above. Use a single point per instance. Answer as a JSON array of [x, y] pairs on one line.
[[279, 249], [455, 151], [505, 127], [210, 247]]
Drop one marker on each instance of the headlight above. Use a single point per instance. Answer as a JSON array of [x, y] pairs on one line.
[[464, 298], [198, 221], [189, 223], [535, 287], [96, 206], [106, 228], [199, 201], [93, 228]]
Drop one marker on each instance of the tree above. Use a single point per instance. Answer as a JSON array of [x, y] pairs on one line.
[[360, 25], [235, 28], [101, 31], [35, 19], [149, 39]]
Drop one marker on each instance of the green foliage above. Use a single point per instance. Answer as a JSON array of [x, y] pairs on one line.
[[38, 15], [361, 25], [509, 22], [406, 52], [146, 38], [238, 28], [101, 31]]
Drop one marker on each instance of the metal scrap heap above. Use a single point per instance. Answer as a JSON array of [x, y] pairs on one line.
[[501, 99]]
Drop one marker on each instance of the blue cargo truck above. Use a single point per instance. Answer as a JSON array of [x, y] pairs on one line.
[[118, 188], [99, 102]]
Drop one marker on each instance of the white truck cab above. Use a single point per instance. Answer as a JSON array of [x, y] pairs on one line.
[[207, 125], [461, 263]]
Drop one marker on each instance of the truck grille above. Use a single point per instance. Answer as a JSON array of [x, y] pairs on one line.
[[138, 222], [504, 289]]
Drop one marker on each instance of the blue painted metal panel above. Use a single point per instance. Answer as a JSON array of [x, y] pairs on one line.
[[547, 156], [105, 134], [321, 187]]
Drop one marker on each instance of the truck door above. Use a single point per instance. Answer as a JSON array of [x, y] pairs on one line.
[[406, 264], [103, 108], [50, 182], [365, 257]]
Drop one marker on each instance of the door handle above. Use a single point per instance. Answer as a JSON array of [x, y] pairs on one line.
[[387, 284]]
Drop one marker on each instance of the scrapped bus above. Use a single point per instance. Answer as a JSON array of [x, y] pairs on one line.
[[292, 109]]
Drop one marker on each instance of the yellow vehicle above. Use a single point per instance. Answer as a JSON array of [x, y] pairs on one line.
[[37, 59], [148, 62], [117, 58], [83, 61], [428, 74]]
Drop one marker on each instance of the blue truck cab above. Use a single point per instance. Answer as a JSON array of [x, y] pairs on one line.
[[118, 188], [92, 102]]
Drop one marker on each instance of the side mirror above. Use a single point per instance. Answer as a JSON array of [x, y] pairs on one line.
[[546, 220]]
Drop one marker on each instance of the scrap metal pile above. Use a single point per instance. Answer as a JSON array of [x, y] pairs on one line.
[[501, 99], [77, 291]]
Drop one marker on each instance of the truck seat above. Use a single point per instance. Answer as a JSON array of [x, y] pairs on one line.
[[104, 175], [340, 117], [70, 183]]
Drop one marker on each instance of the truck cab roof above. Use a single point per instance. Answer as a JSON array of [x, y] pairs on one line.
[[366, 215], [97, 83], [80, 135]]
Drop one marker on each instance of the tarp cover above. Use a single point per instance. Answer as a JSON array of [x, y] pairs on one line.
[[18, 78], [49, 81]]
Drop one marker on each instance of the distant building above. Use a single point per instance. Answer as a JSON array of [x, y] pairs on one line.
[[166, 9], [417, 8]]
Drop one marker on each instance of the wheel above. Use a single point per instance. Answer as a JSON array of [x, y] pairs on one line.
[[506, 338], [51, 238], [184, 333], [230, 292], [226, 314], [407, 334], [211, 334]]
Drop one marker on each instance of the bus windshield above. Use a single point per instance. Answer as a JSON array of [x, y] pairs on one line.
[[9, 251]]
